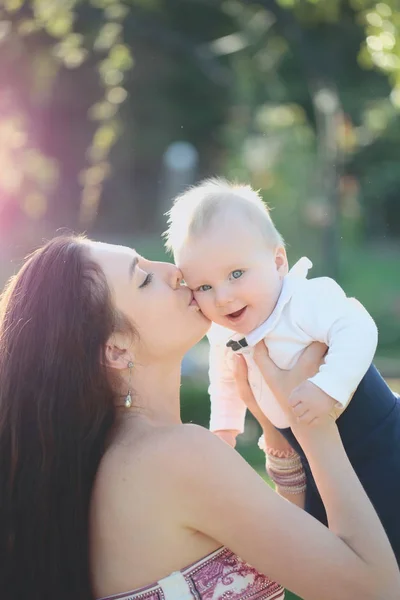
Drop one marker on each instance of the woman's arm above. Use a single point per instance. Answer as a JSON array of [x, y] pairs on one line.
[[273, 442], [217, 493], [346, 508]]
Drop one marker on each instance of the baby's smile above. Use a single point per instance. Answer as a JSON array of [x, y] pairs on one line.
[[236, 316]]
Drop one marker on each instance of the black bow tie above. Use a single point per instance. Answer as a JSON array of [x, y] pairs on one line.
[[237, 345]]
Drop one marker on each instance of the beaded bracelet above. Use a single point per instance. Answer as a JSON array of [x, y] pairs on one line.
[[285, 469]]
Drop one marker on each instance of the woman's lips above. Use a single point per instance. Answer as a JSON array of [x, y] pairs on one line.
[[193, 302]]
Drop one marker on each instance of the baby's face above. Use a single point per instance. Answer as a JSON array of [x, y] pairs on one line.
[[235, 277]]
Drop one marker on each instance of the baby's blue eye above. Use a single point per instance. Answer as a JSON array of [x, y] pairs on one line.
[[237, 273], [204, 288]]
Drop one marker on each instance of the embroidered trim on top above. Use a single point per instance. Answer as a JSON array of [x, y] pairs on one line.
[[217, 576]]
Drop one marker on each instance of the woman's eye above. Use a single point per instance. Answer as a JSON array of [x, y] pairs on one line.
[[237, 273], [147, 280], [204, 288]]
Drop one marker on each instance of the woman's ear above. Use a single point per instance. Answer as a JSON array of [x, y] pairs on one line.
[[281, 261], [116, 352]]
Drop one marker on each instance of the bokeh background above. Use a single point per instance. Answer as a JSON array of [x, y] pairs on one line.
[[109, 108]]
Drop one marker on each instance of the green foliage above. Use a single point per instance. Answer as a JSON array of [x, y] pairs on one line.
[[70, 50], [381, 48], [381, 22], [299, 97], [248, 34], [382, 45]]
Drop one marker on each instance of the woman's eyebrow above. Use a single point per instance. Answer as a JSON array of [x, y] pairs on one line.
[[132, 267]]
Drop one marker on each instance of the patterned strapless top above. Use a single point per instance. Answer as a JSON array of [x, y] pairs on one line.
[[218, 576]]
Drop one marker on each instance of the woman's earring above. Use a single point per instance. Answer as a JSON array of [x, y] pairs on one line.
[[128, 398]]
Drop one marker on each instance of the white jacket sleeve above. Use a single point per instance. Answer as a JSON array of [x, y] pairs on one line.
[[228, 411], [323, 311]]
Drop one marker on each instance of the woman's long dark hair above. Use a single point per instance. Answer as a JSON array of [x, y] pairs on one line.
[[56, 409]]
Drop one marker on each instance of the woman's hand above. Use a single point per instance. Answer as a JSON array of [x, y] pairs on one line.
[[274, 443], [245, 392], [283, 382]]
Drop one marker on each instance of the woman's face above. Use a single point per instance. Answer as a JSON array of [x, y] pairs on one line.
[[150, 294]]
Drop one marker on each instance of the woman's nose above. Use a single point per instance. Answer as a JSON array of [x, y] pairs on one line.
[[175, 277]]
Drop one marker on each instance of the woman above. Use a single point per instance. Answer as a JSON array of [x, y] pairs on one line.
[[103, 490]]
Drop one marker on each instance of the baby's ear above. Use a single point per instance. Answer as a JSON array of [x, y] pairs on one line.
[[281, 261]]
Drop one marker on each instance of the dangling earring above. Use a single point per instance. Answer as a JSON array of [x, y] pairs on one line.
[[128, 397]]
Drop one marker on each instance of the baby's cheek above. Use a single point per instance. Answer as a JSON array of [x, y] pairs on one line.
[[205, 304]]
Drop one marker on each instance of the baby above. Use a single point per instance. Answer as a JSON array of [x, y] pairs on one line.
[[234, 259]]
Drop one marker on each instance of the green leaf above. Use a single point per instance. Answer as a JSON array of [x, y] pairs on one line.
[[120, 57]]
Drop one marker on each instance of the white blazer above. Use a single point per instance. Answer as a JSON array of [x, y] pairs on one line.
[[307, 310]]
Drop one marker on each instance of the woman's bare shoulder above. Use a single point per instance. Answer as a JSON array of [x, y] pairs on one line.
[[189, 440], [180, 453], [173, 445], [165, 449]]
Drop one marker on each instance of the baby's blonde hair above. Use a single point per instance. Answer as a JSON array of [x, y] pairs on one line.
[[194, 210]]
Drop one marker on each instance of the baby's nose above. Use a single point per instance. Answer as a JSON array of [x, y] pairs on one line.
[[222, 298]]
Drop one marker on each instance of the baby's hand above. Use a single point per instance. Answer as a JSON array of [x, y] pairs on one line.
[[308, 402], [228, 436]]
